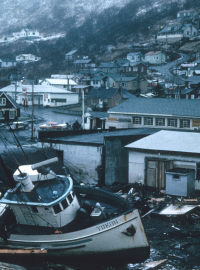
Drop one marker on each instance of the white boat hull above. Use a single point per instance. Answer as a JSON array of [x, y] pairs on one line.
[[105, 241]]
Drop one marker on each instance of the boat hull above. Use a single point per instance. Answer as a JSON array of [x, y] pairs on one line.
[[106, 242]]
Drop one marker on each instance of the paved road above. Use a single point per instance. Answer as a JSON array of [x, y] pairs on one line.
[[44, 115], [165, 69]]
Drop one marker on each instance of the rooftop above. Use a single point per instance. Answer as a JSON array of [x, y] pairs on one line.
[[159, 106], [176, 141]]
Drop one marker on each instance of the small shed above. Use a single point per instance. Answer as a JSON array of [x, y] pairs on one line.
[[180, 182]]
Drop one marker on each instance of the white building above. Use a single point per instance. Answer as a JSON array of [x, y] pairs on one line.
[[27, 58], [41, 95], [59, 83], [27, 34], [152, 156]]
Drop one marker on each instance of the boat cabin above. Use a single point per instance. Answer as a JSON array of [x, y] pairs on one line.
[[45, 203]]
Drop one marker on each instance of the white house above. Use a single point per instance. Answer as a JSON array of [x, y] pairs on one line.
[[155, 57], [27, 34], [43, 95], [4, 63], [135, 57], [152, 156], [175, 32], [27, 58], [60, 83]]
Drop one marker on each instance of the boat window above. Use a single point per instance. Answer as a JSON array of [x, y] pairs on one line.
[[57, 209], [64, 204], [70, 198], [34, 209]]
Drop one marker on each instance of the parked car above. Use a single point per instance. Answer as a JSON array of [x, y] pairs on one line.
[[54, 125], [18, 126]]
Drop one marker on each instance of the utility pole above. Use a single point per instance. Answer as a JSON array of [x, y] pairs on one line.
[[32, 134], [83, 110], [16, 91]]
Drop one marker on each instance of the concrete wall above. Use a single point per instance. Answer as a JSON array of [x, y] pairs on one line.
[[84, 161], [137, 164]]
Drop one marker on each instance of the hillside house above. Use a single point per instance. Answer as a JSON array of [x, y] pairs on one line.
[[99, 80], [182, 114], [71, 56], [121, 62], [109, 67], [83, 64], [135, 68], [175, 32], [155, 57], [27, 34], [187, 15], [6, 63], [27, 58], [59, 83], [132, 84], [6, 38], [99, 97], [135, 57], [153, 157], [9, 109]]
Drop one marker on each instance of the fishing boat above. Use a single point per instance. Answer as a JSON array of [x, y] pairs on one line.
[[57, 220]]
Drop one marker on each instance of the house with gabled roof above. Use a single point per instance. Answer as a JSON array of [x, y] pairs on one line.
[[132, 84], [182, 114], [187, 15], [109, 67], [9, 109], [175, 32], [99, 80], [98, 97], [5, 63], [71, 56], [135, 57], [83, 64], [60, 83], [155, 57], [135, 68]]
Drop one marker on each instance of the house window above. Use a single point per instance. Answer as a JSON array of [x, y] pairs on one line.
[[171, 122], [148, 121], [142, 69], [137, 120], [11, 114], [105, 100], [1, 115], [135, 69], [160, 121], [188, 33], [2, 101], [116, 101], [133, 84], [184, 123], [130, 69], [93, 101]]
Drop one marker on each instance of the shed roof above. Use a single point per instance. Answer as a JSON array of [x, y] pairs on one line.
[[159, 106], [175, 141], [71, 52]]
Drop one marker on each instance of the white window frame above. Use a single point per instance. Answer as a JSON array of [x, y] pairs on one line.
[[148, 121], [137, 120], [2, 101]]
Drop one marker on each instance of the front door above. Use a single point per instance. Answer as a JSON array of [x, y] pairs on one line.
[[155, 173]]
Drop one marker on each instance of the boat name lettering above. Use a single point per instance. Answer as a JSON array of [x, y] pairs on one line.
[[107, 225]]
